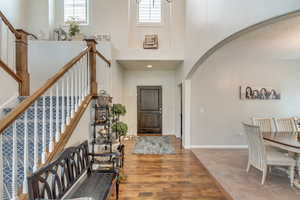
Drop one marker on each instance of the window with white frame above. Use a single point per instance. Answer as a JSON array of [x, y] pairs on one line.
[[76, 10], [149, 11]]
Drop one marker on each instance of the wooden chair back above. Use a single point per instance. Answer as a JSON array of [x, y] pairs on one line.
[[257, 151], [265, 124], [285, 124]]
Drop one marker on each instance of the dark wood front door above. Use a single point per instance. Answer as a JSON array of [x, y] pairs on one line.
[[149, 109]]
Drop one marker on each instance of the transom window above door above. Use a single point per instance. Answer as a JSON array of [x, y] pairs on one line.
[[149, 12], [76, 10]]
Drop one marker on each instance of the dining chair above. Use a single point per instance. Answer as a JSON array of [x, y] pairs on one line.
[[285, 124], [261, 157], [296, 121], [265, 124]]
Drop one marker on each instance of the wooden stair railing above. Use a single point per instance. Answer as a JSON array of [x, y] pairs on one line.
[[56, 108], [9, 25], [21, 57], [103, 58], [10, 72]]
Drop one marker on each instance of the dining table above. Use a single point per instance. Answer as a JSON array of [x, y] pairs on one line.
[[289, 141]]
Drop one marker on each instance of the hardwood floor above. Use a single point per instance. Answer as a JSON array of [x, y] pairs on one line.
[[168, 177]]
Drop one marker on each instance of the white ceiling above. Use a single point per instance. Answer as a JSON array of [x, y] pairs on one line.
[[156, 64]]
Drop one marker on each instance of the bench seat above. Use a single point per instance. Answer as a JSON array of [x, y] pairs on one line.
[[71, 176], [96, 185]]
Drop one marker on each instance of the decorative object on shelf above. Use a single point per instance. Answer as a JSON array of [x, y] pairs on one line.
[[102, 107], [104, 98], [151, 41], [259, 93], [74, 28], [103, 131], [169, 1], [103, 37], [60, 34], [106, 142]]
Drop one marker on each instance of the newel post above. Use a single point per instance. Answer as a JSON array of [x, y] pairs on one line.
[[22, 62], [92, 61]]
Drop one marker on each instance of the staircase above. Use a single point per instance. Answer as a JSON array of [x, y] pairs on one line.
[[35, 130], [35, 122]]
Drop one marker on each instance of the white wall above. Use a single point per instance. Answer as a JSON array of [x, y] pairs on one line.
[[39, 17], [217, 111], [16, 12], [166, 79], [117, 82], [117, 17], [46, 58], [83, 130], [210, 21]]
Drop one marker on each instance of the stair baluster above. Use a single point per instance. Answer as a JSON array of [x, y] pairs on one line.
[[85, 81], [14, 183], [44, 136], [36, 138], [26, 147], [72, 94], [51, 144], [80, 82], [88, 79], [68, 98], [57, 132], [76, 87], [63, 119]]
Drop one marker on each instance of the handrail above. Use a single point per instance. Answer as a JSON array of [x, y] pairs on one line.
[[10, 26], [10, 72], [12, 116], [103, 57], [27, 33]]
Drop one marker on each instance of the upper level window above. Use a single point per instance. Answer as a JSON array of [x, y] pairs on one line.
[[149, 11], [76, 10]]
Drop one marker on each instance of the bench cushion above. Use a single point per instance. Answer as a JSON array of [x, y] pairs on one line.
[[96, 185]]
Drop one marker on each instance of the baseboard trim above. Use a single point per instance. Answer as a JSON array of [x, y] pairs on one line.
[[218, 146]]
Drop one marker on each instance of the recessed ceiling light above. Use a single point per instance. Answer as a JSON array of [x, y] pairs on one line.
[[149, 66]]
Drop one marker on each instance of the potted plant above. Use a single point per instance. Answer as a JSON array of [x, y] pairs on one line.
[[120, 127], [74, 28], [118, 110]]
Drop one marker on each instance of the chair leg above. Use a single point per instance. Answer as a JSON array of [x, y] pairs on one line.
[[248, 166], [264, 177], [292, 175], [117, 189]]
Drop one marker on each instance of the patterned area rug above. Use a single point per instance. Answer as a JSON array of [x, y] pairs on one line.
[[154, 145]]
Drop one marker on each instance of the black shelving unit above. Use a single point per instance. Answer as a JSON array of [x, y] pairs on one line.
[[110, 158]]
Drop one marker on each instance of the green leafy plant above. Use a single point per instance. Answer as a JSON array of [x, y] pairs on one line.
[[74, 28], [119, 110], [120, 127]]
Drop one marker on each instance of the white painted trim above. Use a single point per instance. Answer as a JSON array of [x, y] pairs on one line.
[[218, 146], [187, 113]]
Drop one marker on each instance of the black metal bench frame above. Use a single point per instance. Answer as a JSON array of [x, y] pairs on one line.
[[57, 178]]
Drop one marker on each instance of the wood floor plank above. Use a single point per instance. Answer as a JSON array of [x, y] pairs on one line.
[[168, 177]]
